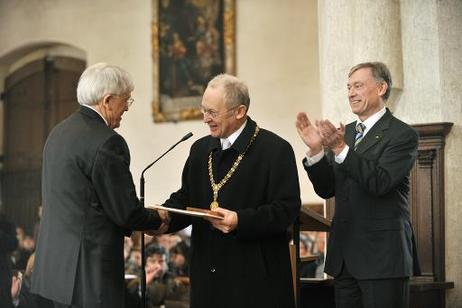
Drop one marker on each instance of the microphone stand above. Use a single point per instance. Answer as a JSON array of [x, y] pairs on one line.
[[143, 263]]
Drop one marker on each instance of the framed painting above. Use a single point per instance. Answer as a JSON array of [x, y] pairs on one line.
[[192, 41]]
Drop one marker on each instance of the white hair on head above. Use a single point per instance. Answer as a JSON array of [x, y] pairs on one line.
[[236, 92], [101, 79]]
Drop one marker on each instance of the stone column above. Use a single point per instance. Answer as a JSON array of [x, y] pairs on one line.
[[354, 31]]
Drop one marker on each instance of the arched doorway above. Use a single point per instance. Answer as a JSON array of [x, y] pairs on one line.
[[37, 95]]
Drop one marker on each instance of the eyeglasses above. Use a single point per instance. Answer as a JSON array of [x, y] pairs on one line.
[[129, 101], [215, 114]]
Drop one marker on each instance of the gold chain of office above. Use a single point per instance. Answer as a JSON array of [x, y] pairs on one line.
[[216, 187]]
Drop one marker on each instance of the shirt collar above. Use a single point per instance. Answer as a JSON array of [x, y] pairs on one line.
[[370, 121], [231, 138], [88, 106]]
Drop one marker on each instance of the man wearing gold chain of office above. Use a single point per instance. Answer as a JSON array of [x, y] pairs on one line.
[[249, 176]]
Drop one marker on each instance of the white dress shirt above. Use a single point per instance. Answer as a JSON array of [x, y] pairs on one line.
[[226, 143]]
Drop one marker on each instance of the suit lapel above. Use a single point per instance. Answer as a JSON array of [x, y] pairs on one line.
[[375, 134], [350, 133]]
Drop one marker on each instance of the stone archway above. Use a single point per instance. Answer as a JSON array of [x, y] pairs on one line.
[[39, 91]]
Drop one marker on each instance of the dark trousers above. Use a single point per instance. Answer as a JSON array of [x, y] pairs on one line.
[[372, 293]]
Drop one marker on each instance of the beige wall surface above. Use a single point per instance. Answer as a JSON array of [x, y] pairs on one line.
[[450, 68], [276, 55]]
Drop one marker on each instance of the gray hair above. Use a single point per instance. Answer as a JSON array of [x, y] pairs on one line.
[[236, 92], [101, 79], [380, 72]]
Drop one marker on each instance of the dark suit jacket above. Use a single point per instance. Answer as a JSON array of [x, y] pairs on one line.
[[250, 267], [89, 203], [371, 230]]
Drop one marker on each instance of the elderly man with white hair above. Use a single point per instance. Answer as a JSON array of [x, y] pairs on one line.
[[89, 199]]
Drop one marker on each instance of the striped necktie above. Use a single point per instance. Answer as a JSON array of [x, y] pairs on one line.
[[360, 128]]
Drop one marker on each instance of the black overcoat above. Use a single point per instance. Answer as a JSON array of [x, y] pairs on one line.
[[371, 229], [250, 267], [89, 204]]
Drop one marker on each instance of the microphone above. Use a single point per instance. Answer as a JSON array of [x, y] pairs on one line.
[[186, 137], [143, 271]]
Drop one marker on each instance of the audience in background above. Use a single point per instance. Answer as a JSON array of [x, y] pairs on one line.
[[163, 289], [26, 246], [8, 243], [133, 264], [167, 269], [20, 289], [178, 262], [312, 245]]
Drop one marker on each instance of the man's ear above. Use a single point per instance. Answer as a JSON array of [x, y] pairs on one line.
[[383, 87], [105, 101], [241, 112]]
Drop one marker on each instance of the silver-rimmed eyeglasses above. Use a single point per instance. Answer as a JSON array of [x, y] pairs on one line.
[[213, 113], [129, 101]]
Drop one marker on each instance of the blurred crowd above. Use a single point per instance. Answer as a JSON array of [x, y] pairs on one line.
[[312, 253], [166, 266], [16, 267]]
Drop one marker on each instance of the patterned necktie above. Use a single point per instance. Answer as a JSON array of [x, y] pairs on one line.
[[360, 128]]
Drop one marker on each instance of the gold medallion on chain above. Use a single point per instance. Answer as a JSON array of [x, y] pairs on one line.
[[217, 186]]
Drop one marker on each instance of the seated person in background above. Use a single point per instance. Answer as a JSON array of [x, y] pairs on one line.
[[128, 245], [161, 285], [8, 243], [20, 289], [312, 245], [179, 263], [168, 240], [25, 249], [307, 268], [133, 264]]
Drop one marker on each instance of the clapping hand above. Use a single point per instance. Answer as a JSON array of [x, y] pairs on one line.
[[309, 133], [322, 134], [332, 137]]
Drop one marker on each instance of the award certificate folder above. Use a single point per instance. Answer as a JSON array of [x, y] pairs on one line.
[[190, 211]]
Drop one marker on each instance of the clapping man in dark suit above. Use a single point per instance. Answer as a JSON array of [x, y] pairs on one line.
[[89, 199], [365, 166]]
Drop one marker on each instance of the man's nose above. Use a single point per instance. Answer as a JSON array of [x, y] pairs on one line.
[[351, 92]]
